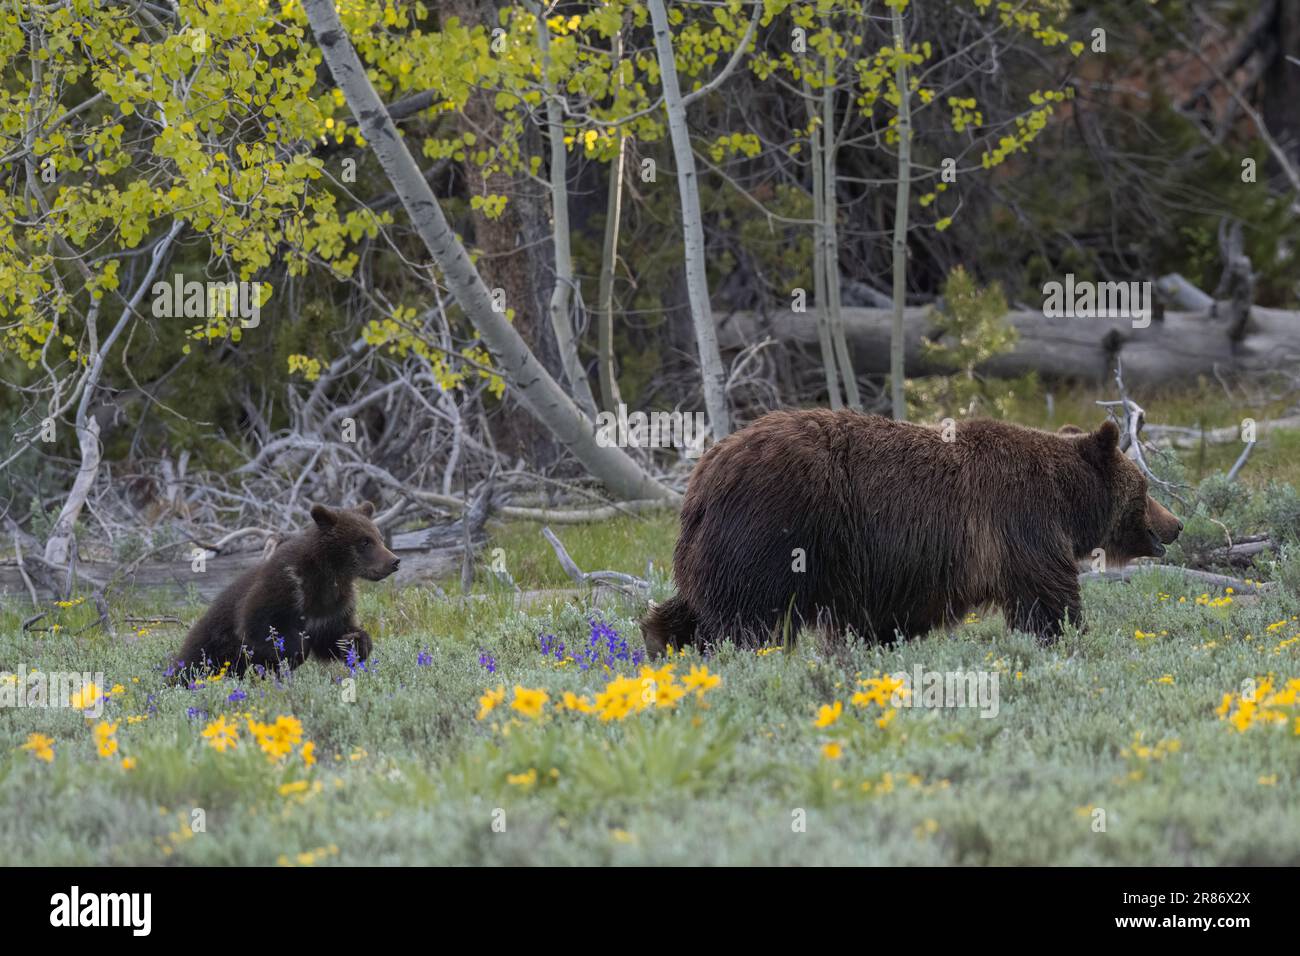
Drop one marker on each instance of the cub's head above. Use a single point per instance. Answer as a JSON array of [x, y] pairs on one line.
[[352, 542], [1138, 526]]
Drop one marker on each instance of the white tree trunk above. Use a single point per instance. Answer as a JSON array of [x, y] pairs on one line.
[[825, 341], [609, 394], [831, 255], [537, 391], [697, 282], [896, 344], [562, 294], [58, 547]]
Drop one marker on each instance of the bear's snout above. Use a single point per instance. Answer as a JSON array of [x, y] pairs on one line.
[[384, 565], [1164, 524], [1158, 548]]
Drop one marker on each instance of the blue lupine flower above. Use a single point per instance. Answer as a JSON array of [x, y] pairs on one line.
[[424, 659], [237, 696], [488, 661], [605, 648], [276, 639]]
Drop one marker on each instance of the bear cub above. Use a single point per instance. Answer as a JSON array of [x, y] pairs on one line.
[[299, 602]]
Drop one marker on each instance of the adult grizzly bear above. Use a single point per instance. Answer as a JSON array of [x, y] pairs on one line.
[[299, 601], [846, 520]]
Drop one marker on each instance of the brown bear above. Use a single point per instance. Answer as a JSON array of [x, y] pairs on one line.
[[846, 520], [299, 601]]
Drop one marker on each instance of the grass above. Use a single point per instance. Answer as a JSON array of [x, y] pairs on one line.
[[1276, 456], [407, 774]]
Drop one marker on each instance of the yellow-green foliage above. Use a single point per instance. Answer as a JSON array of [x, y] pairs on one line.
[[971, 329]]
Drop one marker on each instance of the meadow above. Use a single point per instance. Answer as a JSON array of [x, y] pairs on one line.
[[486, 730], [421, 760]]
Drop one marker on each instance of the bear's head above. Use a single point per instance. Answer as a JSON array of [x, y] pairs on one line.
[[1137, 526], [351, 542]]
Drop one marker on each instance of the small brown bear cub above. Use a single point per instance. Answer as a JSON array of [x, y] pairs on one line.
[[299, 601], [845, 520]]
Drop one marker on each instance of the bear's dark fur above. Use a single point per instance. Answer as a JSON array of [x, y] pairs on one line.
[[303, 592], [900, 530]]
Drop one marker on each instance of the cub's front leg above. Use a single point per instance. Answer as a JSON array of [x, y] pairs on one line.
[[338, 649]]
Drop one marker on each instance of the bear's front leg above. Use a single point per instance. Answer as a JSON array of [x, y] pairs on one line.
[[339, 649], [1043, 610]]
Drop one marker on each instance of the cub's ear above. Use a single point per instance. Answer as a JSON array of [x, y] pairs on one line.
[[323, 517], [1069, 430], [366, 508]]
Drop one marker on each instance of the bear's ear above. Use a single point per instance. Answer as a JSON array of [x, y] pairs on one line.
[[323, 517], [1107, 436], [366, 508], [1069, 430], [1099, 446]]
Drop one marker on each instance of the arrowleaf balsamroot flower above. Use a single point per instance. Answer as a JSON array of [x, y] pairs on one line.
[[827, 714], [700, 680], [880, 691], [529, 702], [652, 688], [489, 701], [105, 742], [87, 697], [40, 746], [221, 734], [277, 740], [1268, 705], [571, 701]]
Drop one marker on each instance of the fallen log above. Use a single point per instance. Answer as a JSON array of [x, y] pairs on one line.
[[1170, 350], [419, 564], [612, 578], [1175, 436], [1240, 553], [1203, 577]]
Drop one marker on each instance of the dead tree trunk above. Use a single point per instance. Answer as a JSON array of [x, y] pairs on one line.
[[1170, 350], [537, 390]]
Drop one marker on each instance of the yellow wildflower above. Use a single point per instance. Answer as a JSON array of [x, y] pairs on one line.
[[87, 697], [701, 681], [522, 779], [222, 735], [40, 746], [827, 714], [529, 702], [489, 700], [104, 740]]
